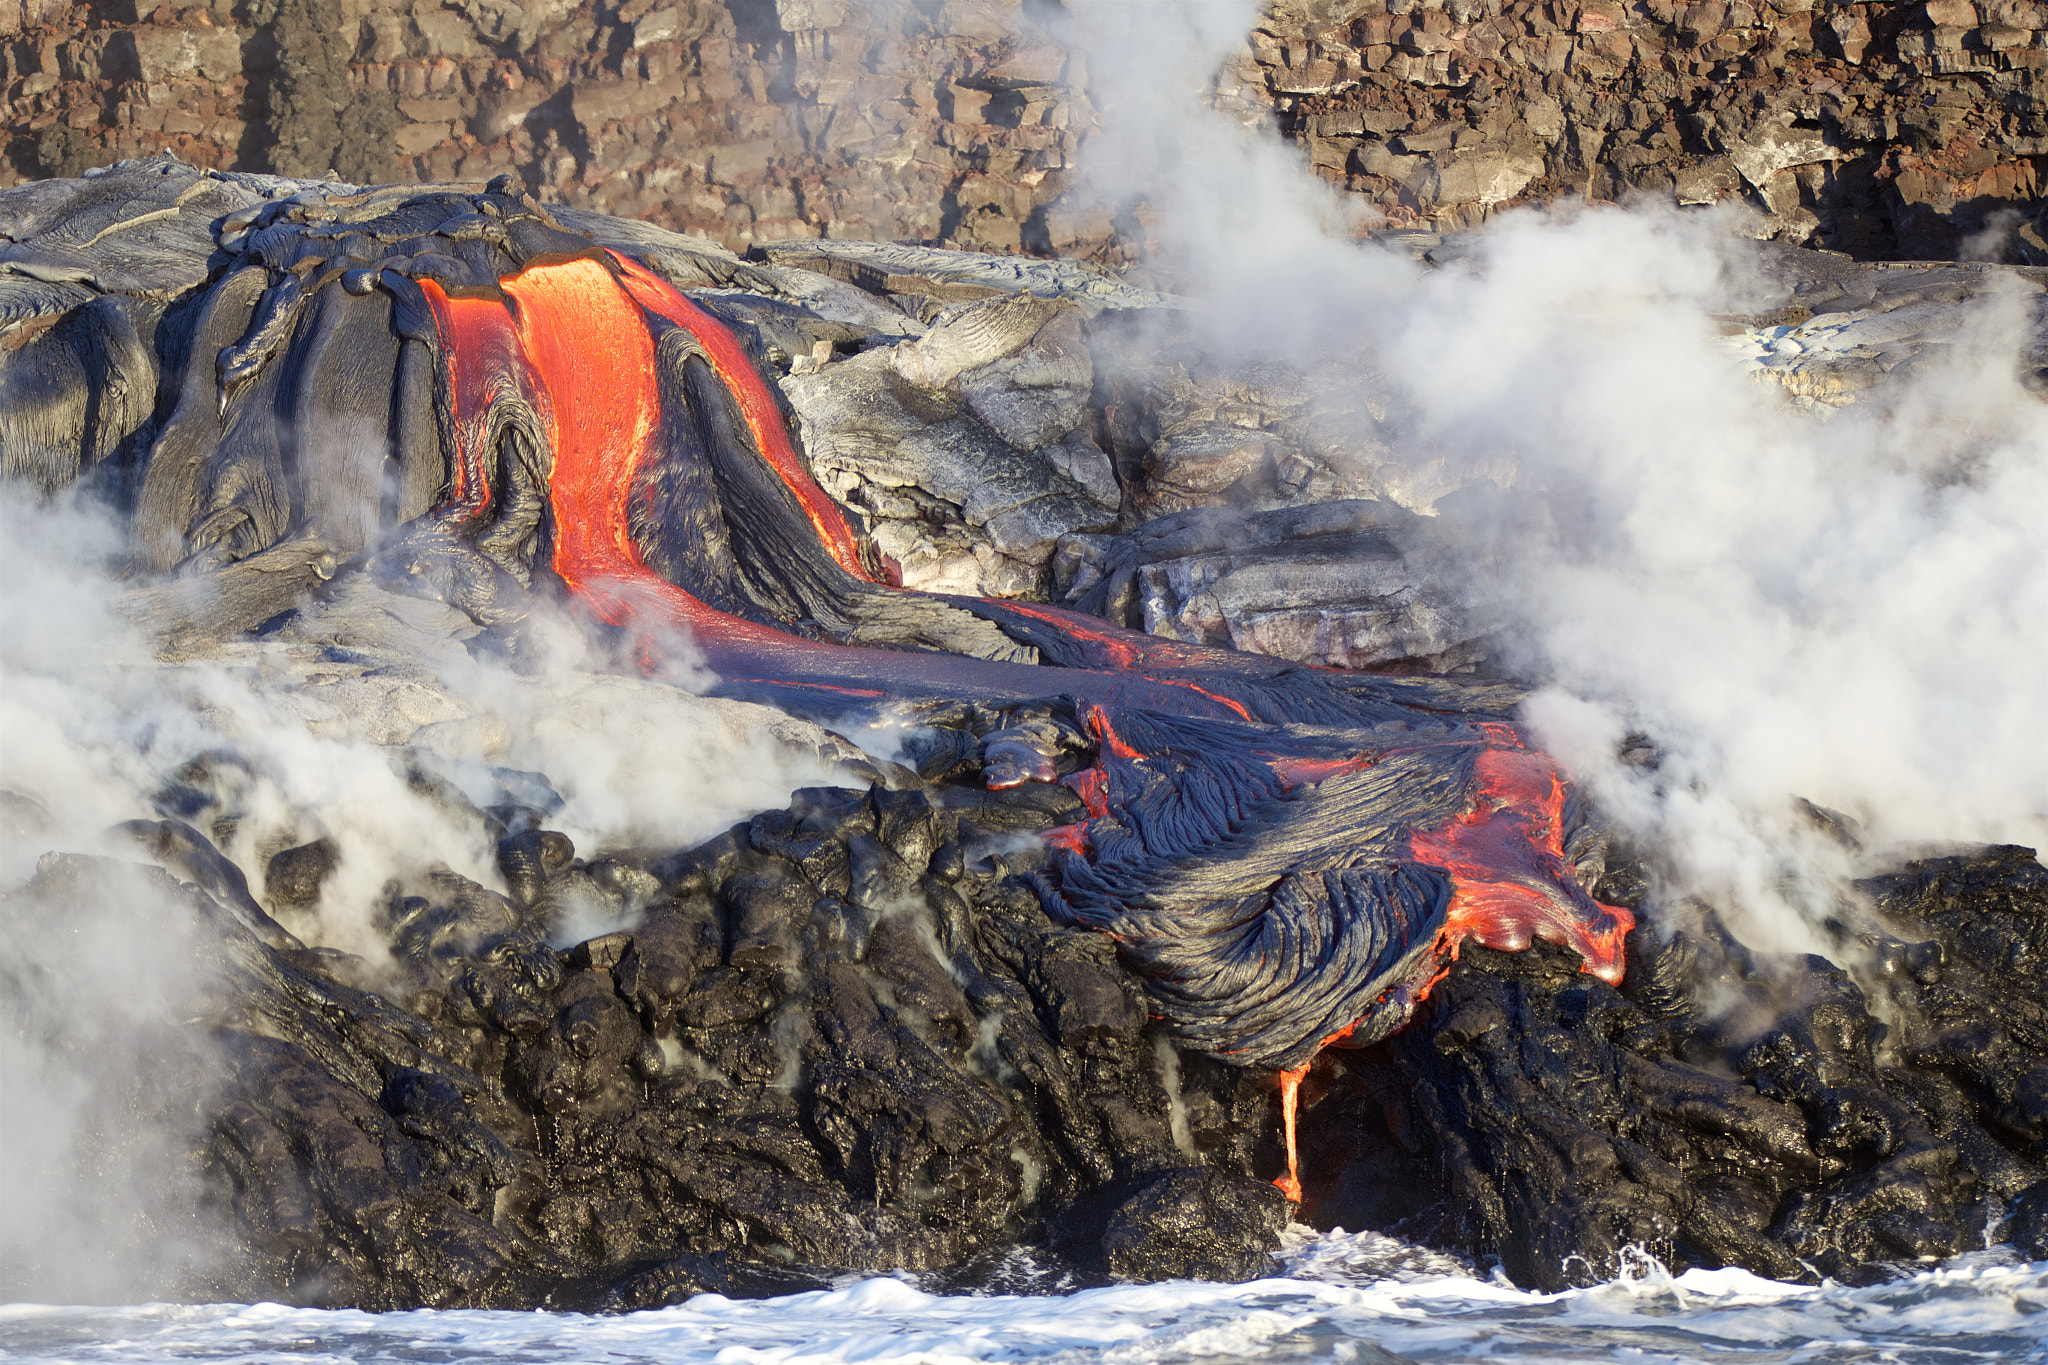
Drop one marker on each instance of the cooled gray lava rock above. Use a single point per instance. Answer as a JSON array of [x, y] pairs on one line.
[[941, 276], [1346, 584], [847, 1035], [1833, 333], [1192, 425], [968, 448]]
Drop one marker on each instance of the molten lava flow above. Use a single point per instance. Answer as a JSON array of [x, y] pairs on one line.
[[865, 693], [757, 406], [1290, 1103], [1105, 733], [1510, 882], [1117, 653], [1290, 1108], [583, 336], [1091, 785], [483, 363], [1068, 838], [1226, 703], [574, 342], [1300, 772], [1506, 862]]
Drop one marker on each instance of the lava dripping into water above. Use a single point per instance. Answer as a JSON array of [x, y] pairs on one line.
[[1511, 885]]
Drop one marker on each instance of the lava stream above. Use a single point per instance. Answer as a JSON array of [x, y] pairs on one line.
[[1505, 857]]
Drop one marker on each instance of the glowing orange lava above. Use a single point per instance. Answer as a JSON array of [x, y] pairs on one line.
[[571, 341], [1071, 838], [1105, 733], [866, 693], [1290, 1106], [1290, 1101], [576, 341], [1510, 883], [1091, 785], [1119, 652], [1302, 772], [1509, 878], [483, 363], [757, 406], [582, 335]]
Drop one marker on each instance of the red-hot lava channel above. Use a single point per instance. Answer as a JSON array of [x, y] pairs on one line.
[[576, 340]]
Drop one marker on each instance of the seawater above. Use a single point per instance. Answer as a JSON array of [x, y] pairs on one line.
[[1349, 1298]]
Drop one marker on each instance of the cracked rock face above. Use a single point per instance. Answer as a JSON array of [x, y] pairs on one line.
[[1840, 335], [1347, 584], [968, 448]]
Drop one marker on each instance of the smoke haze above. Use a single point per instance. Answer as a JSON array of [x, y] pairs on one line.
[[1851, 610]]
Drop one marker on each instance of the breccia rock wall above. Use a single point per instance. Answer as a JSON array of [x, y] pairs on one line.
[[747, 121], [1883, 130]]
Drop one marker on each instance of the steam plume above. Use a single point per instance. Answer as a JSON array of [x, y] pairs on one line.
[[1853, 611], [318, 734]]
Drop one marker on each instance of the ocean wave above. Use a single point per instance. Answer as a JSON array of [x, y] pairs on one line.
[[1352, 1298]]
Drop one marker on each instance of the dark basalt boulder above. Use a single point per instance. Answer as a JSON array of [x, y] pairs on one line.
[[929, 1072], [924, 1070], [1724, 1106]]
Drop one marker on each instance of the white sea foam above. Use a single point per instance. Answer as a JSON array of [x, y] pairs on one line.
[[1348, 1298]]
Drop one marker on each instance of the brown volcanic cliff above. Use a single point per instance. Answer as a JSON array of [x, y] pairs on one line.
[[1883, 130], [1876, 129]]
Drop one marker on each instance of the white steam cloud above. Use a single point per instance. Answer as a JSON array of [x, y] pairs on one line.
[[1853, 611], [339, 727]]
